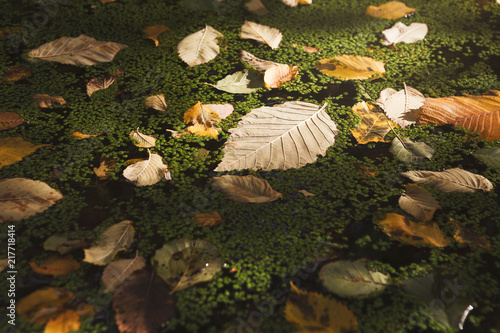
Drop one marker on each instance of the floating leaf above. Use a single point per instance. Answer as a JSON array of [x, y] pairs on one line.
[[261, 33], [401, 107], [222, 110], [401, 32], [352, 278], [391, 10], [477, 113], [10, 120], [42, 305], [21, 198], [66, 322], [246, 189], [451, 180], [244, 82], [154, 31], [16, 73], [142, 140], [203, 119], [118, 271], [62, 244], [313, 312], [406, 231], [80, 136], [294, 3], [186, 262], [200, 47], [82, 50], [285, 136], [114, 239], [277, 75], [350, 67], [491, 156], [44, 100], [257, 63], [148, 172], [208, 219], [306, 193], [409, 151], [97, 84], [56, 265], [374, 124], [156, 102], [256, 7], [143, 303], [418, 202]]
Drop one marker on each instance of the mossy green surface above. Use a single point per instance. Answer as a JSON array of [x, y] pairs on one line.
[[268, 244]]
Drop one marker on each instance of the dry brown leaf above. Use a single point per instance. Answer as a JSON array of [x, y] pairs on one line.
[[118, 271], [391, 10], [261, 33], [97, 84], [107, 164], [257, 7], [16, 73], [350, 67], [43, 304], [80, 136], [277, 75], [203, 119], [374, 124], [246, 189], [306, 193], [208, 219], [64, 322], [257, 63], [10, 120], [418, 202], [56, 265], [13, 150], [44, 100], [154, 31], [3, 264], [142, 140], [156, 102]]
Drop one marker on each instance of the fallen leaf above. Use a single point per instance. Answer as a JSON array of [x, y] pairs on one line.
[[259, 64], [154, 31], [350, 67], [406, 231], [82, 50], [244, 82], [148, 172], [43, 304], [201, 154], [10, 120], [3, 264], [310, 49], [401, 32], [306, 193], [203, 119], [21, 198], [118, 271], [284, 136], [277, 75], [16, 73], [477, 113], [261, 33], [97, 84], [465, 235], [208, 219], [402, 107], [62, 244], [418, 202], [491, 156], [186, 262], [199, 47], [14, 149], [66, 322], [294, 3], [451, 180], [222, 110], [374, 124], [352, 278], [391, 10], [156, 102], [44, 100], [256, 7], [246, 189], [56, 265], [202, 130], [409, 151], [142, 140], [313, 312], [113, 240], [143, 303], [80, 136], [107, 164]]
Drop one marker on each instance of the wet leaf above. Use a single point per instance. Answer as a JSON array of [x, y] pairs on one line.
[[21, 198], [203, 119], [118, 271], [401, 32], [65, 322], [402, 107], [43, 304], [391, 10], [142, 140], [199, 47], [156, 102], [186, 262], [148, 172], [10, 120], [294, 3], [277, 75], [143, 303], [261, 33], [465, 235], [82, 50], [154, 31], [114, 239], [409, 151], [3, 264], [451, 180], [256, 7], [350, 67], [80, 136], [491, 156], [374, 124], [352, 278], [257, 63], [208, 219], [97, 84], [284, 136], [246, 189], [62, 244], [44, 100], [406, 231], [418, 202], [222, 110], [56, 265], [313, 312], [306, 193], [244, 82], [16, 73]]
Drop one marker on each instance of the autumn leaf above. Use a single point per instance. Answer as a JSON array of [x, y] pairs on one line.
[[152, 32], [246, 189], [16, 73], [147, 172], [21, 198], [199, 47], [106, 165], [114, 239], [66, 322], [244, 82], [142, 140], [418, 202], [402, 107], [118, 271], [56, 265], [491, 156], [465, 235], [409, 151], [294, 3], [43, 304], [350, 67], [256, 7], [156, 102], [10, 120], [391, 10], [208, 219], [401, 32], [277, 75], [82, 50], [97, 84], [80, 136], [3, 264], [222, 110], [203, 119], [257, 63], [306, 193], [61, 243], [44, 100], [374, 124], [261, 33], [313, 312]]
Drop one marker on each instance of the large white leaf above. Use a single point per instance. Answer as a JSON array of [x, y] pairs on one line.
[[289, 135], [199, 47], [418, 202], [244, 82], [400, 32], [451, 180], [401, 107], [261, 33], [82, 50], [147, 172], [409, 151]]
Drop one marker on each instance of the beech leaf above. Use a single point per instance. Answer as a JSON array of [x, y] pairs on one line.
[[44, 100], [491, 156], [97, 84], [142, 140], [400, 32], [277, 75], [418, 202], [156, 102], [261, 33], [14, 149], [152, 32], [409, 151], [374, 124], [222, 110], [10, 120], [148, 172], [351, 67], [244, 82], [199, 47], [391, 10], [259, 64], [246, 189], [55, 265], [257, 7], [401, 107], [118, 271]]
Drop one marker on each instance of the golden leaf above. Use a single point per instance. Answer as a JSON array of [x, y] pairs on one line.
[[44, 100], [208, 219], [12, 150], [154, 31], [65, 322], [42, 305], [391, 10], [350, 67], [56, 265], [277, 75], [374, 124], [10, 120], [202, 119], [79, 135]]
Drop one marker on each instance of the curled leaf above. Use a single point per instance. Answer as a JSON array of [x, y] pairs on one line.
[[152, 32], [142, 140], [44, 100], [401, 107], [203, 119], [246, 189], [400, 32], [451, 180], [418, 202], [199, 47], [148, 172], [97, 84], [257, 63], [156, 102], [277, 75], [261, 33]]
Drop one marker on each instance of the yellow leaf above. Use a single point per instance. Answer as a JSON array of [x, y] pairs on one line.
[[391, 10], [56, 265], [350, 67], [154, 31], [202, 119], [42, 305], [12, 150], [313, 312], [406, 231], [374, 124], [65, 322], [208, 219], [79, 135]]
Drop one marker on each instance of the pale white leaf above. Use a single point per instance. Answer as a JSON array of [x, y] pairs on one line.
[[277, 75], [261, 33], [222, 110], [418, 202], [118, 271], [199, 47], [401, 107], [244, 82], [257, 63], [143, 140], [400, 32], [148, 172], [409, 151], [156, 102]]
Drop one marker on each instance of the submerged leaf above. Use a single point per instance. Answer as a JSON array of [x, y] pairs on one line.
[[156, 102], [118, 271], [401, 107], [261, 33], [44, 100], [152, 32], [199, 47], [277, 75], [80, 136], [97, 84], [44, 304], [10, 120], [418, 202], [143, 140], [62, 244], [16, 73], [465, 235], [257, 7], [56, 265], [107, 164], [244, 82], [350, 67], [391, 10], [491, 156], [374, 124], [148, 172], [409, 151], [246, 189], [208, 219], [400, 32]]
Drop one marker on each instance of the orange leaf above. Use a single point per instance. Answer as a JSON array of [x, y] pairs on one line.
[[208, 219], [391, 10], [65, 322], [277, 75], [154, 31], [56, 265], [350, 67], [202, 119], [42, 305], [16, 73], [79, 135]]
